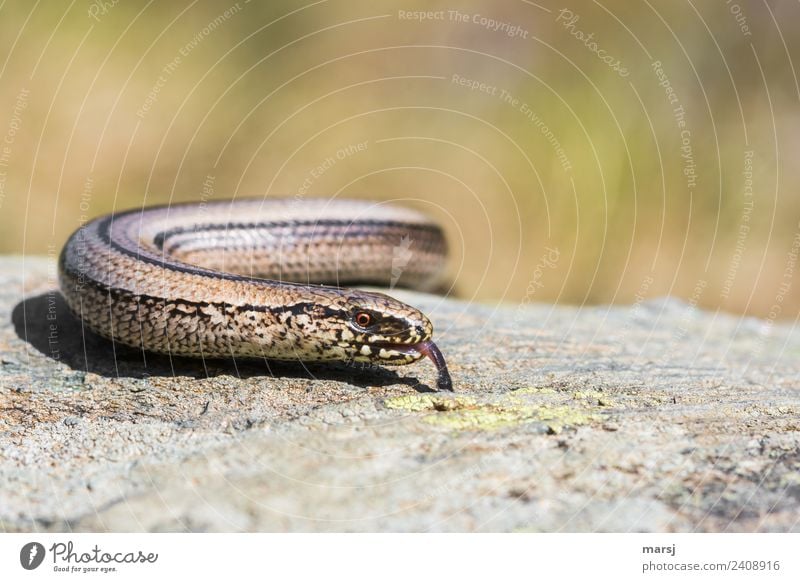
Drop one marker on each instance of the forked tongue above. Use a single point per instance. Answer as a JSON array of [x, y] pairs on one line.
[[429, 349]]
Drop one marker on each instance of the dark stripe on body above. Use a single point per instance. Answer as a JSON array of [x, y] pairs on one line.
[[349, 227], [104, 233], [116, 294]]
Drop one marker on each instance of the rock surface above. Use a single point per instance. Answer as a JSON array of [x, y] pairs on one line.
[[654, 417]]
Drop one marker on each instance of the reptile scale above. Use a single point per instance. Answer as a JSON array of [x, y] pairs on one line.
[[259, 279]]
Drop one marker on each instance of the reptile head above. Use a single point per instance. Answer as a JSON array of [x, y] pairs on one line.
[[375, 328]]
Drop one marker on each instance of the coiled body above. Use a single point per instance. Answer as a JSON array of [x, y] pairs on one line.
[[257, 278]]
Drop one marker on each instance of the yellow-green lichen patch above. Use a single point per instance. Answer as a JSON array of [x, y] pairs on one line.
[[558, 418], [534, 390], [423, 402], [463, 413]]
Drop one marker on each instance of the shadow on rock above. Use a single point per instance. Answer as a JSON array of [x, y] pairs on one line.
[[46, 323]]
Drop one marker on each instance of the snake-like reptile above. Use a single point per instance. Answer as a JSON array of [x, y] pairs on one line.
[[253, 278]]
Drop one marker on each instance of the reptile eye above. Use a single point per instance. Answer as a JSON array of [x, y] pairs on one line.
[[363, 319]]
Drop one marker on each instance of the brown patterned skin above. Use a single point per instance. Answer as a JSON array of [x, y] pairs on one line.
[[258, 278]]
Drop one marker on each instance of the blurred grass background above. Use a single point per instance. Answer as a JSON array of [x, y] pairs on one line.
[[106, 106]]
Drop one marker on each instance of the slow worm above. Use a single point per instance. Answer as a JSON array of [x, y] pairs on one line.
[[269, 279]]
